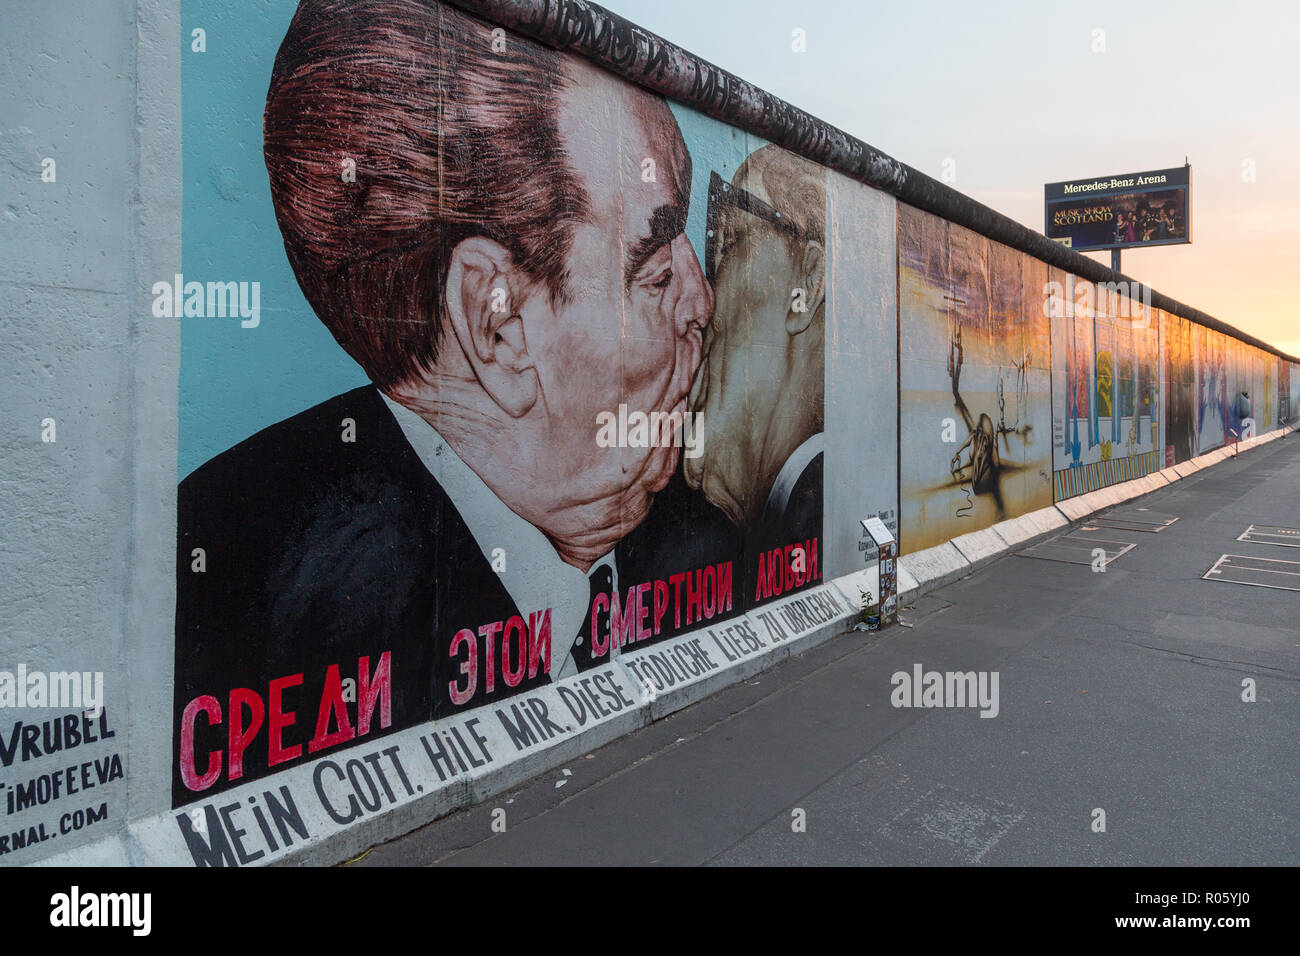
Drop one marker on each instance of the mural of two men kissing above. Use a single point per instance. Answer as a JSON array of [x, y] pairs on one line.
[[504, 272]]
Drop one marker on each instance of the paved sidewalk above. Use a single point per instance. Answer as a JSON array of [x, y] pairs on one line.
[[1119, 691]]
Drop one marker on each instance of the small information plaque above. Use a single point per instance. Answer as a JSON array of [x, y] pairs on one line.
[[887, 567]]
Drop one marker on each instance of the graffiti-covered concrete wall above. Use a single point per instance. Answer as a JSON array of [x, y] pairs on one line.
[[974, 383], [448, 404], [1107, 387]]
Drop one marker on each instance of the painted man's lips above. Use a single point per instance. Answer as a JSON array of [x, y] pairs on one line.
[[699, 390]]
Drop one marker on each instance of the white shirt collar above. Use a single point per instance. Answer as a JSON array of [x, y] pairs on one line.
[[794, 466], [535, 576]]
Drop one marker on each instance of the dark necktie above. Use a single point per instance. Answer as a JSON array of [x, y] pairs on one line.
[[601, 580]]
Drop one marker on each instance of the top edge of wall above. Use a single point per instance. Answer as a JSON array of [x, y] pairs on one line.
[[647, 59]]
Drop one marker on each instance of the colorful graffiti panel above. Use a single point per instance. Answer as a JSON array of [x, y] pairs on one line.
[[1293, 392], [1106, 395], [1211, 389], [974, 367], [1180, 378]]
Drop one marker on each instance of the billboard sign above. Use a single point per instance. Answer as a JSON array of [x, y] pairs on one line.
[[1120, 212]]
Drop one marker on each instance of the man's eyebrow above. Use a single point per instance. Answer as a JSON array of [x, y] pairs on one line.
[[666, 224]]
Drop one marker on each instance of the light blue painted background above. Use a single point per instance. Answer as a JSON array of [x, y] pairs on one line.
[[236, 381]]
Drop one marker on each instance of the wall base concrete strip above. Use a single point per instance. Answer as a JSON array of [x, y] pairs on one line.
[[906, 583], [979, 547], [736, 649], [1113, 495], [1074, 508], [1049, 519], [935, 566], [1080, 506], [689, 667], [1149, 483], [341, 804], [868, 580], [1127, 490], [1187, 468], [1030, 525], [1016, 530], [379, 789], [1096, 500], [1103, 498]]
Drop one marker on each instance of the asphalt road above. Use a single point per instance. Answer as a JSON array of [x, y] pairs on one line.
[[1120, 691]]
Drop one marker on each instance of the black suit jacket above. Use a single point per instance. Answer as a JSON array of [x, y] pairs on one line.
[[319, 552], [798, 522]]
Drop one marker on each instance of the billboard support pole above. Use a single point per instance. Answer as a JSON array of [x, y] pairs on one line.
[[1114, 259]]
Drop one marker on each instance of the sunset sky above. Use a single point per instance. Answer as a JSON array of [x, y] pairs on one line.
[[1014, 94]]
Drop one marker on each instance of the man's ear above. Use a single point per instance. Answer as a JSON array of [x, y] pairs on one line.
[[812, 275], [483, 297]]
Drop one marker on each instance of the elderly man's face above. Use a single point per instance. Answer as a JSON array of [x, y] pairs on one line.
[[631, 332], [753, 372]]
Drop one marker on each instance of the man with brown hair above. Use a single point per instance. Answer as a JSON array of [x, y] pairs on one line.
[[475, 227]]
